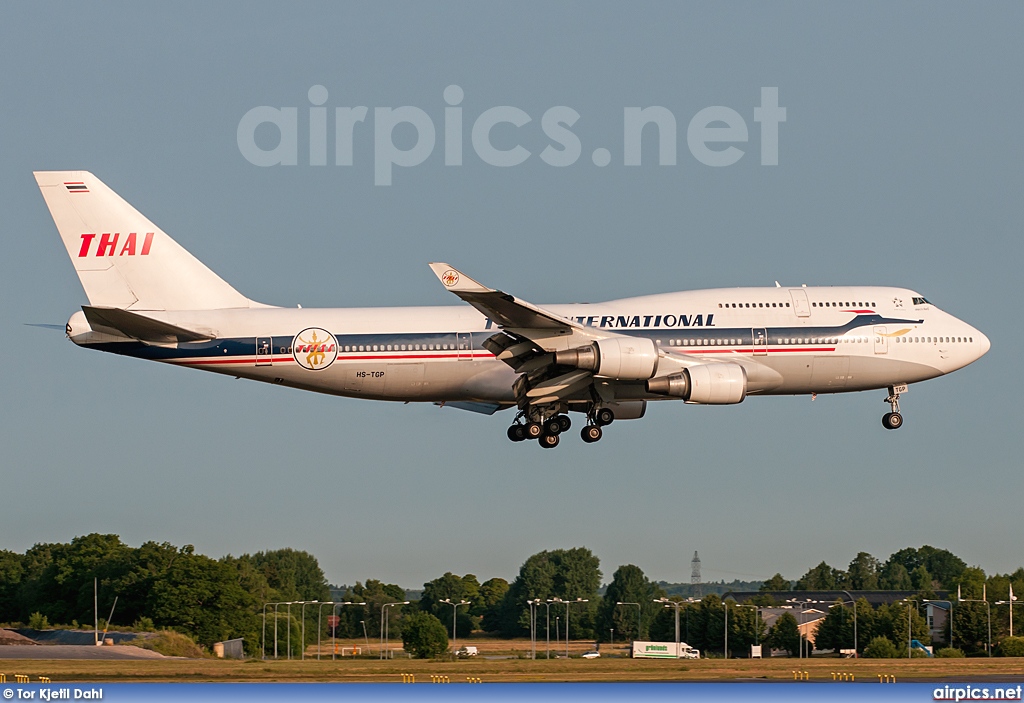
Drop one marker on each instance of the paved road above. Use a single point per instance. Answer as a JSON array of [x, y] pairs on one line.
[[76, 651]]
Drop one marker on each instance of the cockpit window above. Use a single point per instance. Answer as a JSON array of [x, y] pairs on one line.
[[921, 301]]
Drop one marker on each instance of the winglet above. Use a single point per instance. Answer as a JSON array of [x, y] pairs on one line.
[[456, 281]]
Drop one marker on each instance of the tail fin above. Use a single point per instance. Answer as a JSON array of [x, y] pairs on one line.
[[122, 259]]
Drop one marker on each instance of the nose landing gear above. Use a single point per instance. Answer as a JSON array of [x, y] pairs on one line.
[[894, 420]]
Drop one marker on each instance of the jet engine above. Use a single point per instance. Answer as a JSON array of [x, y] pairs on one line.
[[708, 384], [621, 358]]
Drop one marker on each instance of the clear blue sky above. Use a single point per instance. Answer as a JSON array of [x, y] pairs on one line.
[[901, 162]]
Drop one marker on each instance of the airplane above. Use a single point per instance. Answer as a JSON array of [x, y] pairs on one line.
[[151, 299]]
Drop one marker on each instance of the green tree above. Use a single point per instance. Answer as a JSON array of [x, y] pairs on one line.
[[12, 570], [375, 594], [881, 648], [492, 591], [1011, 647], [836, 631], [921, 579], [785, 634], [629, 585], [776, 583], [970, 627], [456, 589], [202, 597], [821, 578], [895, 577], [862, 574], [424, 636], [561, 573]]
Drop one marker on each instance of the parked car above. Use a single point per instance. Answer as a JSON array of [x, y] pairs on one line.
[[592, 654]]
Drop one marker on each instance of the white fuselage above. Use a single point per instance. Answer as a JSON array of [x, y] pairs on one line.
[[788, 340]]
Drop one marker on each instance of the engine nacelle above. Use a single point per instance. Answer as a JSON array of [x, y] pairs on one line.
[[621, 358], [708, 384]]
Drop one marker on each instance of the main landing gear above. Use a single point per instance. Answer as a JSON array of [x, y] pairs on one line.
[[547, 431], [893, 420]]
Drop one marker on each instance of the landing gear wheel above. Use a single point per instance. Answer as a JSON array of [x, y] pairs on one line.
[[548, 441], [565, 422], [517, 433], [533, 430], [892, 421], [604, 416], [552, 426], [591, 434]]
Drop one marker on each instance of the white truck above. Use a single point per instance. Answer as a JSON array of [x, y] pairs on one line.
[[467, 652], [664, 650]]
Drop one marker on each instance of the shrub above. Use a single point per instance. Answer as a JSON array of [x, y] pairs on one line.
[[424, 636], [170, 644], [881, 648], [1011, 647], [143, 624], [38, 621], [950, 653]]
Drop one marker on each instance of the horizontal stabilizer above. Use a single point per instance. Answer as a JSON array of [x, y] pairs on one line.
[[122, 323]]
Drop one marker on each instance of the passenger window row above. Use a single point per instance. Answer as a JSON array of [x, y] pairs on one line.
[[842, 305], [398, 347], [753, 305], [931, 340]]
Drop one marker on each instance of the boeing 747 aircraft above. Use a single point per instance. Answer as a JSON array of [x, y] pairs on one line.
[[151, 299]]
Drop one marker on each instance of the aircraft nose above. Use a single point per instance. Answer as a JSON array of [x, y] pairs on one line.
[[984, 346]]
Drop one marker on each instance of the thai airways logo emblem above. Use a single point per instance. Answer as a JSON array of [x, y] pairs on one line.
[[450, 278], [314, 348]]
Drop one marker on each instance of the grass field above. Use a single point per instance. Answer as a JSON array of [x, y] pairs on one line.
[[513, 670]]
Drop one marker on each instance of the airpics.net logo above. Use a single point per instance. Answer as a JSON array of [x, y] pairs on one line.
[[714, 135]]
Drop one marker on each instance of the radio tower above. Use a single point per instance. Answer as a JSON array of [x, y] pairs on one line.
[[695, 575]]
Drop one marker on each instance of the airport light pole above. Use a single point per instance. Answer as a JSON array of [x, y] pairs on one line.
[[950, 604], [725, 648], [799, 632], [639, 611], [319, 623], [757, 612], [673, 604], [304, 604], [534, 604], [547, 627], [334, 612], [1011, 602], [856, 652], [910, 628], [454, 606], [384, 627], [567, 604], [275, 625], [989, 609]]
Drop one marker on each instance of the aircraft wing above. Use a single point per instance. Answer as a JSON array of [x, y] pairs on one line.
[[504, 309], [525, 341]]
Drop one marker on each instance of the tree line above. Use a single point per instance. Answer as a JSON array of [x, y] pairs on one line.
[[159, 585]]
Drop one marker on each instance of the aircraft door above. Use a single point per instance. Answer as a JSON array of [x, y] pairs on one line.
[[881, 341], [760, 337], [800, 304], [264, 351], [465, 345]]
